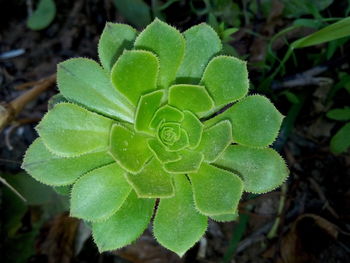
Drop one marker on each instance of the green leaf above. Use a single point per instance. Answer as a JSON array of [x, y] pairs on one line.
[[339, 114], [177, 225], [100, 193], [255, 121], [168, 44], [193, 128], [191, 97], [168, 114], [334, 31], [43, 15], [340, 142], [216, 191], [296, 8], [69, 130], [114, 39], [225, 218], [215, 140], [83, 81], [202, 43], [189, 162], [226, 79], [152, 181], [146, 108], [262, 170], [50, 169], [125, 225], [137, 12], [129, 149], [161, 153], [135, 74], [181, 143]]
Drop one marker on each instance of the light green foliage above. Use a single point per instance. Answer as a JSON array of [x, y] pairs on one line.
[[125, 225], [169, 48], [152, 181], [129, 148], [191, 97], [215, 139], [51, 169], [131, 132], [253, 113], [178, 225], [114, 39], [43, 15], [142, 71], [202, 43], [262, 170], [100, 193], [223, 188], [226, 79], [84, 81], [69, 130]]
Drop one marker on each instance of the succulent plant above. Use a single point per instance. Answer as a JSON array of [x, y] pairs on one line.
[[156, 122]]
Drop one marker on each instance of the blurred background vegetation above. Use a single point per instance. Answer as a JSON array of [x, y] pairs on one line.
[[297, 54]]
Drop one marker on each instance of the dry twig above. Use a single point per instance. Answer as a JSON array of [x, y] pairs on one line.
[[8, 111]]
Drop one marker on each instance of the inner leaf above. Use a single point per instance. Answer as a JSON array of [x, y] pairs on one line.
[[166, 113], [129, 149]]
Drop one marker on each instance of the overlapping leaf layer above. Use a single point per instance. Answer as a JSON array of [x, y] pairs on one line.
[[132, 131]]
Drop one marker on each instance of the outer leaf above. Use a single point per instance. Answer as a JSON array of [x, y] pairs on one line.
[[216, 191], [202, 43], [135, 74], [146, 108], [50, 169], [262, 170], [177, 225], [43, 15], [191, 97], [225, 218], [100, 193], [189, 162], [193, 127], [341, 140], [226, 79], [125, 225], [215, 140], [152, 181], [168, 44], [114, 39], [129, 149], [69, 130], [84, 81], [161, 153], [166, 113], [255, 121]]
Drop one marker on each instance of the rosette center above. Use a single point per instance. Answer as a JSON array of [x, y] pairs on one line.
[[169, 133]]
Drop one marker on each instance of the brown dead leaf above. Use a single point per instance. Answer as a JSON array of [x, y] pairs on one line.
[[309, 236], [57, 239]]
